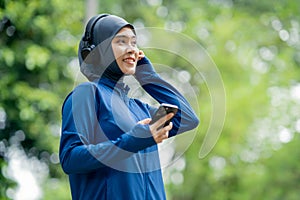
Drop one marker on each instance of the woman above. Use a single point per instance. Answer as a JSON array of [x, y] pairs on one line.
[[108, 147]]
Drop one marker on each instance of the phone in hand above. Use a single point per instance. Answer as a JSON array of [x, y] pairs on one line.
[[162, 111]]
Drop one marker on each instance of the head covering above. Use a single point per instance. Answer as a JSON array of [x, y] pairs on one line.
[[103, 61]]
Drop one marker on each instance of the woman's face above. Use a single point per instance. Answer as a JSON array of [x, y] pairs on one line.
[[125, 50]]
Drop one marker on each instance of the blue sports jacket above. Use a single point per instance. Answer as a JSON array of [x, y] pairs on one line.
[[104, 151]]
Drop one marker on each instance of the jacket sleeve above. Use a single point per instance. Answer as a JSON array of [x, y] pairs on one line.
[[79, 151], [163, 92]]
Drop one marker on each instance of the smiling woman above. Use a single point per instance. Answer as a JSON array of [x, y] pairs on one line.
[[108, 146]]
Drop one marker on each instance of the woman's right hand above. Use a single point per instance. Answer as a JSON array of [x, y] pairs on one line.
[[159, 135]]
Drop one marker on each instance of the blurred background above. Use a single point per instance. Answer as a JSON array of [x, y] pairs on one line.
[[255, 45]]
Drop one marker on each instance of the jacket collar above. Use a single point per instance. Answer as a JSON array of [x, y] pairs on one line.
[[119, 85]]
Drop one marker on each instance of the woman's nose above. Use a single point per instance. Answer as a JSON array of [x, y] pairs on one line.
[[131, 49]]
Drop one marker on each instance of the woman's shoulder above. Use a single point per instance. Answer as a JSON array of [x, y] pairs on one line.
[[83, 92], [85, 85], [88, 87], [83, 89]]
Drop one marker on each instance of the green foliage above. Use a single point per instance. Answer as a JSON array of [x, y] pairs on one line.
[[255, 45], [38, 40]]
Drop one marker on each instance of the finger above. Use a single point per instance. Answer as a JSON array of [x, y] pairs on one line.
[[141, 55], [164, 132], [163, 120], [145, 121], [157, 138], [166, 135], [169, 127], [160, 137]]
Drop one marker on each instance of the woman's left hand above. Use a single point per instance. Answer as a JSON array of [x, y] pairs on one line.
[[141, 55]]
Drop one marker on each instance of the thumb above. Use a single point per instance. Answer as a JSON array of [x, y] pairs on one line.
[[145, 121]]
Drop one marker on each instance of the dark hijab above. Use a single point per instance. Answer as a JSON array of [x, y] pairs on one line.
[[103, 61]]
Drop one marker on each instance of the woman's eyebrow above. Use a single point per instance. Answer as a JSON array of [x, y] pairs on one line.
[[125, 36]]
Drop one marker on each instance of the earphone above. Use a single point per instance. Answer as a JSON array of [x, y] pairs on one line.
[[87, 39]]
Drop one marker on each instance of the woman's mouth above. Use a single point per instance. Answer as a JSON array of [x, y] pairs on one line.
[[129, 60]]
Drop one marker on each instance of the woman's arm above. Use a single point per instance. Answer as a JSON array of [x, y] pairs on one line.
[[83, 145], [163, 92]]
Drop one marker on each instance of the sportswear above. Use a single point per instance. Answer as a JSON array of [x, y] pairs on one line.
[[106, 153]]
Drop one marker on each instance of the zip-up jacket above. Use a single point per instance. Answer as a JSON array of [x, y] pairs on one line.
[[103, 149]]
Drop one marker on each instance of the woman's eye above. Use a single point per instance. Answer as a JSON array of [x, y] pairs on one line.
[[121, 41], [134, 43]]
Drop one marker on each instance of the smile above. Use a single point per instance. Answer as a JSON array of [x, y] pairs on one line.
[[129, 60]]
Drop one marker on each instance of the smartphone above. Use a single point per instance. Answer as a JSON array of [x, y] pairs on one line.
[[162, 111]]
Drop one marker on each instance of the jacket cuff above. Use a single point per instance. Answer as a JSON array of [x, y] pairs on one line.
[[138, 138], [144, 68]]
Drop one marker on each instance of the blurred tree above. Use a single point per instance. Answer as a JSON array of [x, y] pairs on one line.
[[256, 47], [38, 40]]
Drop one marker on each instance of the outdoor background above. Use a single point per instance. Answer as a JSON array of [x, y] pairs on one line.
[[255, 46]]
